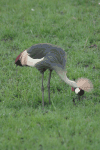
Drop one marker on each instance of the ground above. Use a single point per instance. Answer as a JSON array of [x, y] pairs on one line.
[[74, 26]]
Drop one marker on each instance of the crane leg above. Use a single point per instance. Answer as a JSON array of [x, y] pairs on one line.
[[42, 89], [48, 85]]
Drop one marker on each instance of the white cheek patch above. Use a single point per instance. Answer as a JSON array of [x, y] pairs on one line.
[[31, 62], [77, 90]]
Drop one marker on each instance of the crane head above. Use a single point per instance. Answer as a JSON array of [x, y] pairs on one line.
[[21, 59], [84, 84], [78, 91], [17, 61]]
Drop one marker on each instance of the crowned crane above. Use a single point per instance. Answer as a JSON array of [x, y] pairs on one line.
[[45, 56]]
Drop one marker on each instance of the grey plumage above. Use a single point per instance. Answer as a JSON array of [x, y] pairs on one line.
[[51, 57], [54, 57], [45, 56]]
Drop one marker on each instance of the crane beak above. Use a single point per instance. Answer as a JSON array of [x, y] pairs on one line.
[[17, 61]]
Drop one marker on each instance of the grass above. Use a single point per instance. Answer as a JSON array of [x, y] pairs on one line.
[[74, 26]]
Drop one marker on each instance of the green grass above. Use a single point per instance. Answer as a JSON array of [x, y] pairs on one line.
[[74, 26]]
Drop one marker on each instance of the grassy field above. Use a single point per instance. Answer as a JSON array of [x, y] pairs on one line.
[[74, 26]]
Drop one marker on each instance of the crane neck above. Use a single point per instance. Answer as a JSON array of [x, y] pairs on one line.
[[71, 83], [63, 76]]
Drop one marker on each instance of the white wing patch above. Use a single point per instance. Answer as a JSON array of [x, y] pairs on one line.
[[31, 62]]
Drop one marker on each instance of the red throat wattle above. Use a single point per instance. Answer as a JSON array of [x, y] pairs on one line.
[[73, 89]]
